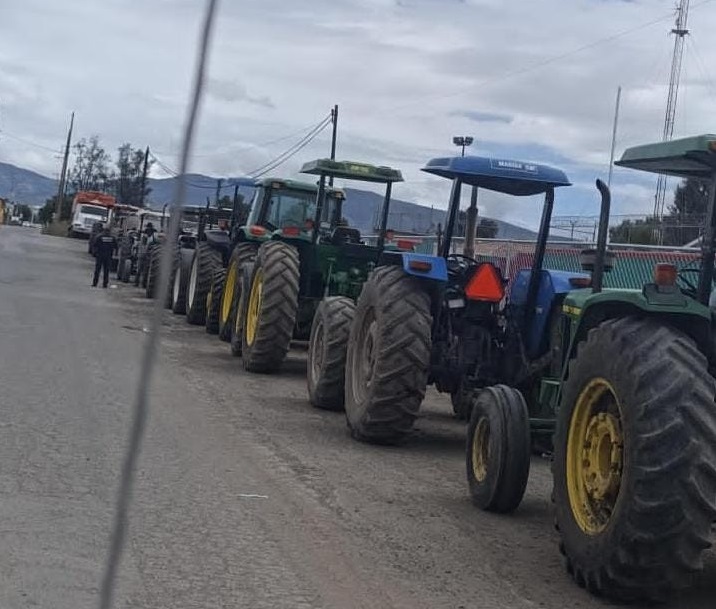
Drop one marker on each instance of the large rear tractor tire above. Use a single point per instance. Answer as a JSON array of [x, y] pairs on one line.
[[213, 301], [231, 294], [245, 273], [126, 270], [635, 460], [388, 356], [498, 449], [206, 261], [181, 280], [327, 349], [269, 312], [152, 266]]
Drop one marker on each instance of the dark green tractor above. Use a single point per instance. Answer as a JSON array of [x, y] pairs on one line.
[[635, 444], [276, 202], [312, 266]]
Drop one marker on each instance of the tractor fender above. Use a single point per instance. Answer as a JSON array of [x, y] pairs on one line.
[[689, 316], [433, 268]]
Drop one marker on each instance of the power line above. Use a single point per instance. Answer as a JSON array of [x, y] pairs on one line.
[[547, 61], [259, 145], [30, 143], [316, 129], [287, 154]]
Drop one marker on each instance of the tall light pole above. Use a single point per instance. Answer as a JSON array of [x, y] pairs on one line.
[[471, 216], [463, 141]]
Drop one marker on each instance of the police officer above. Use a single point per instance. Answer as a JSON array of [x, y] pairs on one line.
[[105, 245]]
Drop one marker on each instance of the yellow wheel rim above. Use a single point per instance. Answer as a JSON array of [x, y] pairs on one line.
[[480, 452], [254, 308], [595, 453], [227, 298]]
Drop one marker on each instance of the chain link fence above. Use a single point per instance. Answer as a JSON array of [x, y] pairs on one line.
[[633, 264]]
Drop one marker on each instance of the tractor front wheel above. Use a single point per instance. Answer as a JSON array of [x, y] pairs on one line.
[[388, 356], [327, 349], [635, 460], [269, 311], [498, 449]]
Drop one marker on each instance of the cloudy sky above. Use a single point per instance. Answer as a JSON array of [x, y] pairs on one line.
[[530, 80]]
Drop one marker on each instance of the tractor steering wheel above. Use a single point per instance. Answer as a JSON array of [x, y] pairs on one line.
[[460, 263]]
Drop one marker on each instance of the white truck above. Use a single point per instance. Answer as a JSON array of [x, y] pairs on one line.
[[88, 208]]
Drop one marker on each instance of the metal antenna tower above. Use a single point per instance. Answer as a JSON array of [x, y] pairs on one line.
[[679, 32]]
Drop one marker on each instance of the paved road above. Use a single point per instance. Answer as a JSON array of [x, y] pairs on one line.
[[246, 496]]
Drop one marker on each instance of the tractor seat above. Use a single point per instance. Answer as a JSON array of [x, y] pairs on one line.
[[342, 235]]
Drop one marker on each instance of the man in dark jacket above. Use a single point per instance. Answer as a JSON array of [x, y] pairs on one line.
[[105, 245]]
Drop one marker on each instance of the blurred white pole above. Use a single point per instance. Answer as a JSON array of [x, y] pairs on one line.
[[614, 135]]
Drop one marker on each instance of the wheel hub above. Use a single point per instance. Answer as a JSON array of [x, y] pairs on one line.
[[480, 444], [227, 297], [602, 456], [254, 308], [317, 351], [368, 358], [594, 458]]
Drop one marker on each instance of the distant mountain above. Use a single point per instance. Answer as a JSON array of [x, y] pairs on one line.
[[361, 209], [25, 186]]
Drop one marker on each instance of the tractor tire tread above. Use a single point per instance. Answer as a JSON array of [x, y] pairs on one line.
[[402, 360], [279, 265], [337, 316], [668, 518]]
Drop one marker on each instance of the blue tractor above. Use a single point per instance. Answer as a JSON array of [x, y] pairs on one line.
[[446, 320]]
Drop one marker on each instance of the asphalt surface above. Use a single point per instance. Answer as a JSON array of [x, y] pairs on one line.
[[246, 495]]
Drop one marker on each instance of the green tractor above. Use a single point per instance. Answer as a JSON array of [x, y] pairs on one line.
[[276, 202], [312, 267], [635, 443]]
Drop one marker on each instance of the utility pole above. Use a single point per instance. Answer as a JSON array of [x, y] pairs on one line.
[[334, 120], [218, 191], [680, 32], [145, 168], [63, 174], [614, 136]]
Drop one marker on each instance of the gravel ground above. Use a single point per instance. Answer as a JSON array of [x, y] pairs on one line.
[[246, 495]]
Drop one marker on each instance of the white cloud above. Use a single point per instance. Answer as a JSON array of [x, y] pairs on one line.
[[407, 74]]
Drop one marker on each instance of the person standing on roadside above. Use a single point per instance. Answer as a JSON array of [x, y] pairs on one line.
[[149, 238], [105, 245]]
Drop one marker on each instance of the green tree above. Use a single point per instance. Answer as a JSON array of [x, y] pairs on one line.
[[127, 181], [687, 214], [635, 231], [91, 167], [227, 202], [48, 209], [682, 223], [24, 211]]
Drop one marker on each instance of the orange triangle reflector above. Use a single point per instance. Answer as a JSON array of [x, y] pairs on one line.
[[485, 284]]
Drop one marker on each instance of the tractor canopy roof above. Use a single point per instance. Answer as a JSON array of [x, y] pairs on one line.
[[281, 183], [501, 175], [352, 171], [686, 157]]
